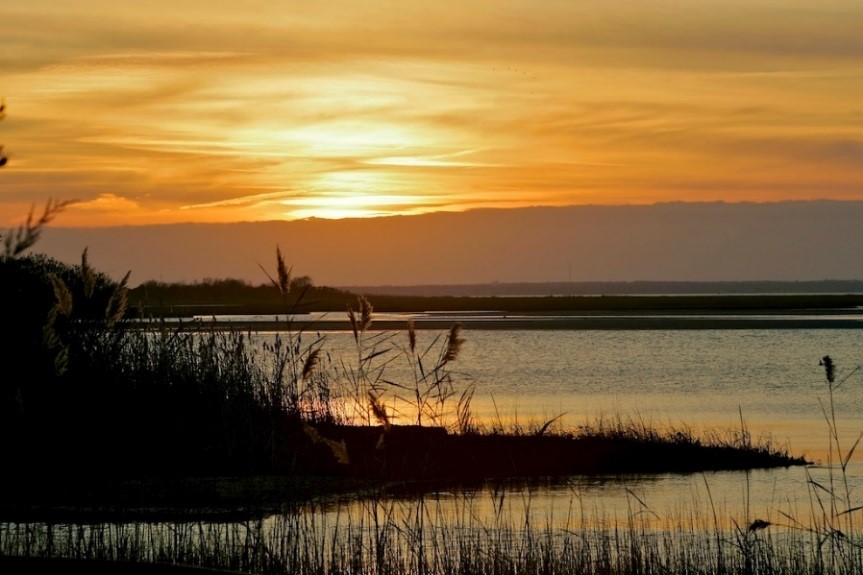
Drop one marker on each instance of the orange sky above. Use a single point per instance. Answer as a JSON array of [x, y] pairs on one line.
[[193, 111]]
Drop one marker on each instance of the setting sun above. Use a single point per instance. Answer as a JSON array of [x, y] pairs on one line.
[[273, 114], [345, 195]]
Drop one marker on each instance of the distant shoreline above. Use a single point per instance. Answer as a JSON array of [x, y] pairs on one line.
[[515, 322], [616, 288]]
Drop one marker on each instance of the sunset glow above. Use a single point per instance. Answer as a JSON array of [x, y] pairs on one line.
[[215, 113]]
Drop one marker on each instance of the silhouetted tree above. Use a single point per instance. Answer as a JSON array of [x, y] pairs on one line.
[[300, 283]]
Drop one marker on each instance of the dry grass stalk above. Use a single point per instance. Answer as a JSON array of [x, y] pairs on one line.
[[20, 240]]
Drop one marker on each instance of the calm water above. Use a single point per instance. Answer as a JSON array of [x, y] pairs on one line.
[[701, 379]]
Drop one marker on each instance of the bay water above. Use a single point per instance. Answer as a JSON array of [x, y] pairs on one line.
[[767, 382]]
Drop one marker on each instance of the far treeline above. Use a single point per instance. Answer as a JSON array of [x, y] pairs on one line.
[[594, 288], [234, 296]]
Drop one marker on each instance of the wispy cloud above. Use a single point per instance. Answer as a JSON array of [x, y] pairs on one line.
[[195, 110], [270, 198]]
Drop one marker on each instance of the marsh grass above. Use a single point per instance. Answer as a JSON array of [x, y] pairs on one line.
[[179, 399], [182, 400], [387, 536]]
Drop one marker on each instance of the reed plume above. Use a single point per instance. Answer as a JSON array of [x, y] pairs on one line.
[[829, 368], [379, 411], [118, 302], [412, 336], [88, 276], [311, 362], [453, 344], [282, 281], [365, 313], [339, 449], [362, 322], [62, 296], [283, 272]]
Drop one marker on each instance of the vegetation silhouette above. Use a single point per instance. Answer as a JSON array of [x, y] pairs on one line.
[[388, 535], [221, 296], [107, 419], [104, 394]]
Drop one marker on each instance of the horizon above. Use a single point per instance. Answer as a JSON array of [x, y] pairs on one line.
[[209, 114], [382, 143], [779, 241]]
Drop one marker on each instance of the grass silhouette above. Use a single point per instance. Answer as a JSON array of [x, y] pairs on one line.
[[185, 416]]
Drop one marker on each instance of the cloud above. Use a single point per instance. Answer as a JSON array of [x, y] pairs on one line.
[[109, 203], [256, 200], [211, 108]]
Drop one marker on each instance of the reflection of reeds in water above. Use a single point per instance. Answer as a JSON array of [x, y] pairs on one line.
[[494, 531], [500, 530], [384, 536]]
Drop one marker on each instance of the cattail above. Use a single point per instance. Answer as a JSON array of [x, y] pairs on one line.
[[829, 368], [453, 344], [412, 335]]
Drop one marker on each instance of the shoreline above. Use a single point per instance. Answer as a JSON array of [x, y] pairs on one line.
[[515, 322]]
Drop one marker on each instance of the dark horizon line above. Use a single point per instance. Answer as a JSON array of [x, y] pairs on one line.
[[619, 287], [439, 212]]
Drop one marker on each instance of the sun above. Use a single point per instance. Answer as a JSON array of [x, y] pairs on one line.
[[352, 194]]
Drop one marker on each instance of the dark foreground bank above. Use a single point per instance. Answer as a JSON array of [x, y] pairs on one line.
[[356, 461], [10, 565]]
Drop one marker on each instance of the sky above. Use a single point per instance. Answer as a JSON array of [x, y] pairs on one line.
[[683, 241], [215, 112]]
